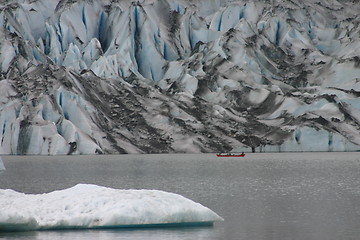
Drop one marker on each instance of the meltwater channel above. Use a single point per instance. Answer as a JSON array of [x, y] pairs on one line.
[[282, 196]]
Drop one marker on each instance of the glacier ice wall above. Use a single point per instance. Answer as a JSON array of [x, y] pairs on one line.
[[86, 77]]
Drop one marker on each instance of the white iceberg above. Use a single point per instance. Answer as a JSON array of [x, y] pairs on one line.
[[92, 206]]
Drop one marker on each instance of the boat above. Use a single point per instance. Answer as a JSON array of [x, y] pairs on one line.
[[231, 154]]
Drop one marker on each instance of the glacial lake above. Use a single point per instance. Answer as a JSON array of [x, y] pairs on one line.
[[276, 196]]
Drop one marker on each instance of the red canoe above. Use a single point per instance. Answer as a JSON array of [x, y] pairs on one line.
[[230, 154]]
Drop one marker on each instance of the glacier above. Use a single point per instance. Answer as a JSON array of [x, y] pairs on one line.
[[167, 76], [91, 206]]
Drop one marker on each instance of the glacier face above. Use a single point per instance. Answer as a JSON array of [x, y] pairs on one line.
[[152, 76]]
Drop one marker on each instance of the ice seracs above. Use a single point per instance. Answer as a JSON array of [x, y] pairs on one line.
[[92, 206], [105, 72]]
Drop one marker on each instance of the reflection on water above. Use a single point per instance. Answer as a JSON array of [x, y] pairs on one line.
[[133, 234], [298, 196]]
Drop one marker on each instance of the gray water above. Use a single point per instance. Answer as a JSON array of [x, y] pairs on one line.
[[278, 196]]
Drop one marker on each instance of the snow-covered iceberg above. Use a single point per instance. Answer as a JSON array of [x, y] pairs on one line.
[[92, 206]]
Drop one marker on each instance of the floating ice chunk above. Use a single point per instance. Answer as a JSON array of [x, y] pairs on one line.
[[2, 167], [91, 206]]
